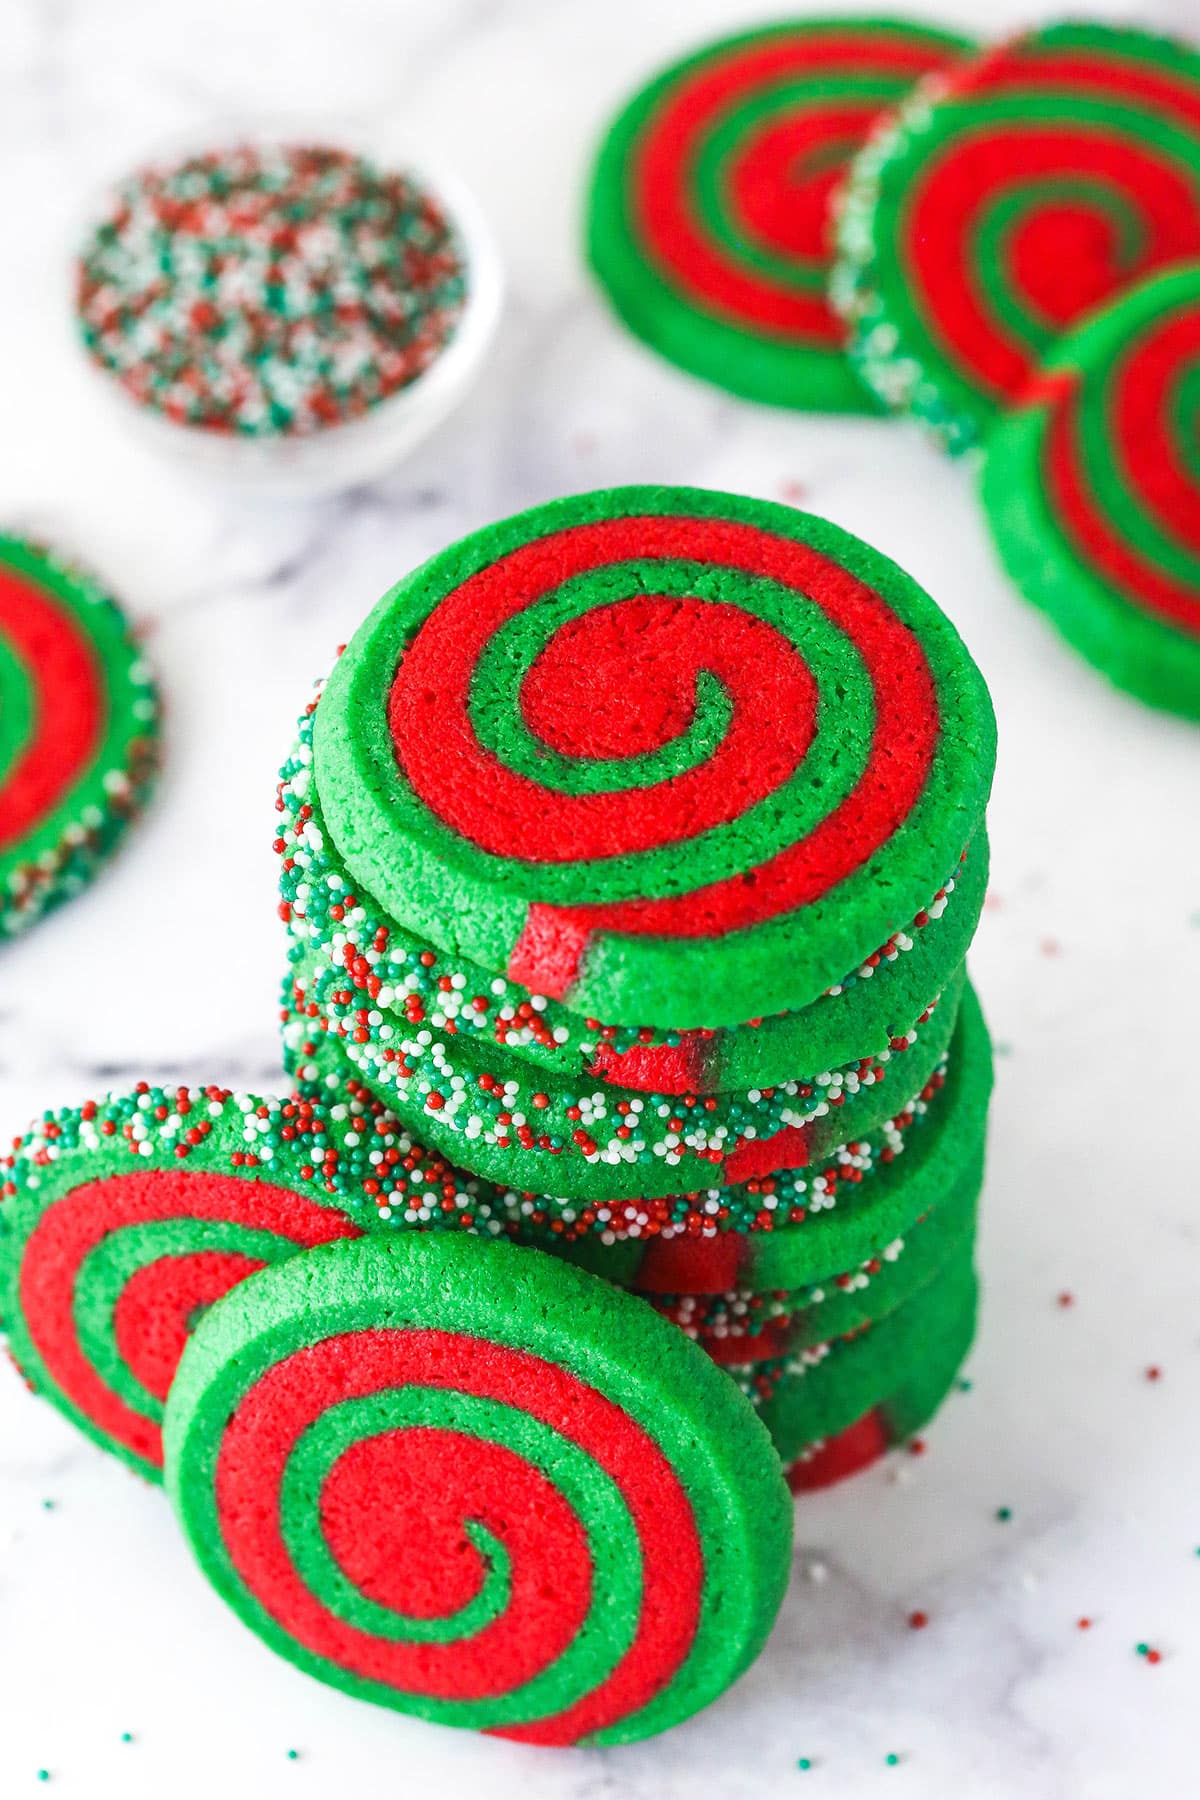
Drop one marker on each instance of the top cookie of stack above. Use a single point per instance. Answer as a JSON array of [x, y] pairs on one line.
[[642, 831]]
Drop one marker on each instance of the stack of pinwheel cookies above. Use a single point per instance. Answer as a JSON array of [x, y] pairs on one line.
[[631, 854]]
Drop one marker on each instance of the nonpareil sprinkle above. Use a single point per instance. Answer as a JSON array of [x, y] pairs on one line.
[[269, 290]]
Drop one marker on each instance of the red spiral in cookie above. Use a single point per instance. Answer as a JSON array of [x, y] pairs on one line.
[[459, 1476], [646, 716], [78, 722], [709, 219], [806, 95], [114, 1274], [1092, 212], [1006, 203], [67, 705], [645, 654], [1124, 489], [1092, 490], [472, 1484]]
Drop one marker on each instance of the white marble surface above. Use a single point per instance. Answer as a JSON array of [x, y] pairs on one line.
[[1089, 962]]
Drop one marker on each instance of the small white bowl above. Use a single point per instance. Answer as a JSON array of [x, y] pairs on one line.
[[356, 450]]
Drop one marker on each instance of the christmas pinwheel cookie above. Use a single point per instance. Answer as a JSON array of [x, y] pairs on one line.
[[339, 1417], [1092, 490], [669, 814], [1007, 200], [78, 731], [123, 1220], [710, 213]]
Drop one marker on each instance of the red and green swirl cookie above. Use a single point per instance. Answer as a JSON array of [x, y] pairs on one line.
[[831, 1218], [664, 754], [710, 213], [894, 1374], [123, 1220], [78, 729], [401, 976], [548, 1133], [1092, 490], [742, 1326], [1005, 202], [783, 1232], [474, 1484]]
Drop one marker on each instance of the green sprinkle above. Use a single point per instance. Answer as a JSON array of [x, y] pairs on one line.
[[47, 1506], [1143, 1649], [127, 1737], [43, 1775], [805, 1762], [1004, 1514], [965, 1385], [891, 1759], [293, 1756]]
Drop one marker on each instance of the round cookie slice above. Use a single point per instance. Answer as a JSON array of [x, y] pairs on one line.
[[123, 1220], [78, 730], [710, 216], [389, 970], [474, 1484], [1092, 489], [665, 754], [1005, 202]]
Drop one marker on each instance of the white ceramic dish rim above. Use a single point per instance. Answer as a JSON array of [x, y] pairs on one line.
[[354, 450]]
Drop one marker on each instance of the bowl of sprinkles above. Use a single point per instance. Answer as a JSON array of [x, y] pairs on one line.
[[290, 313]]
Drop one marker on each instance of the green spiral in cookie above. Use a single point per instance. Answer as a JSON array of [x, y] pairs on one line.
[[78, 731], [1005, 202], [471, 1483], [712, 199], [667, 755], [1092, 490]]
